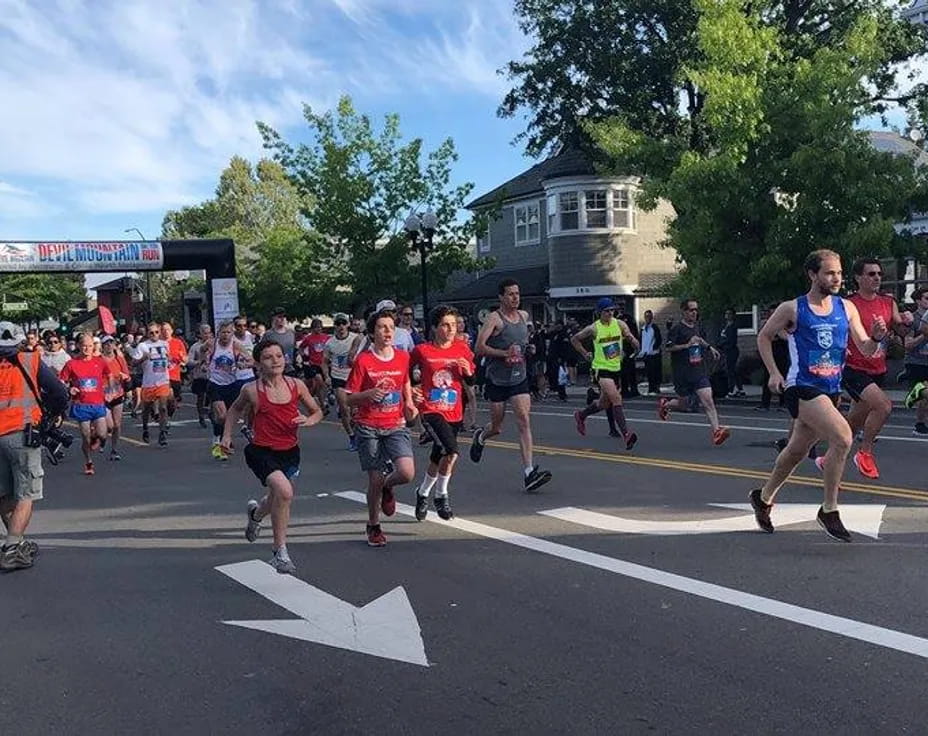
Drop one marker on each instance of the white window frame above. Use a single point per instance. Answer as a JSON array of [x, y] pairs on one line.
[[526, 209], [604, 209], [551, 212], [578, 198], [614, 190], [754, 311]]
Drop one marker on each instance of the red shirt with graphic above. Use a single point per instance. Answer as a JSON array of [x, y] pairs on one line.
[[369, 371], [312, 348], [177, 356], [442, 378], [88, 377], [880, 306]]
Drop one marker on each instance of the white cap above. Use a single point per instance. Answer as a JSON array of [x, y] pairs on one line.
[[385, 304], [11, 335]]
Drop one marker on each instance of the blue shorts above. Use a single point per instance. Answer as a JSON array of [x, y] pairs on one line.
[[87, 412]]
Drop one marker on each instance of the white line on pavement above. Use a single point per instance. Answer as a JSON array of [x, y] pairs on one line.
[[850, 628]]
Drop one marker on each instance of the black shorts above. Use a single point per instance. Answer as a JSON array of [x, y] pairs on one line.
[[199, 386], [263, 461], [175, 387], [794, 394], [499, 394], [118, 401], [444, 435], [855, 382], [311, 371], [684, 388], [614, 376], [916, 373], [339, 383], [136, 381], [226, 394]]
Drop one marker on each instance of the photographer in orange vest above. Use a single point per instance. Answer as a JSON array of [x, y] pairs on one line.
[[29, 390]]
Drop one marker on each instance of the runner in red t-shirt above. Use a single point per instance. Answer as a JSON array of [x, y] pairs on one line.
[[863, 376], [87, 377], [114, 391], [379, 387], [312, 351], [177, 357], [446, 364]]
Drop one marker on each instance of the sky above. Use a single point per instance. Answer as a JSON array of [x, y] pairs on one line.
[[114, 112]]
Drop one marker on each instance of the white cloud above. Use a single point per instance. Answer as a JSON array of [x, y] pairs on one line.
[[118, 106], [16, 202]]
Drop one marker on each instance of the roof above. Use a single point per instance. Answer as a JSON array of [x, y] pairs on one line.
[[889, 142], [123, 283], [569, 161], [532, 282], [654, 284]]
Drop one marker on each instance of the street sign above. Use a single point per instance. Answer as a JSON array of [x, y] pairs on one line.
[[386, 627], [15, 306]]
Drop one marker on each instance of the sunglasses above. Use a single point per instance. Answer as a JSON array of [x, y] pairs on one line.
[[340, 322], [874, 273]]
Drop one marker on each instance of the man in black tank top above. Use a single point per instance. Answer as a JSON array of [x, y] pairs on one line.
[[502, 341]]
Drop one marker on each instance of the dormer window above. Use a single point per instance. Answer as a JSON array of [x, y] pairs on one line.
[[608, 207]]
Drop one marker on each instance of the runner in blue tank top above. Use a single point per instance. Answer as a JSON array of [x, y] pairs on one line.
[[819, 324]]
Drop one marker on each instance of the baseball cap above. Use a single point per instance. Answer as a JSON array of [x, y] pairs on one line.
[[106, 339], [11, 335], [604, 303], [340, 317], [279, 312], [385, 304]]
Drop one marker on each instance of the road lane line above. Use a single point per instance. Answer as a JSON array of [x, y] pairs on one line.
[[869, 633]]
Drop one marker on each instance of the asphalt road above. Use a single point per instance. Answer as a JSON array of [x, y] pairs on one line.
[[530, 622]]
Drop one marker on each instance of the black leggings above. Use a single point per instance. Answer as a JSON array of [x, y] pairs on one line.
[[444, 436]]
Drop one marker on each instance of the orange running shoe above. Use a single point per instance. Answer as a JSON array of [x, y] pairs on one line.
[[866, 464], [663, 412], [720, 435]]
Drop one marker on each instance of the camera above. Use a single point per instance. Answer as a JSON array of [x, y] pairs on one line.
[[49, 436]]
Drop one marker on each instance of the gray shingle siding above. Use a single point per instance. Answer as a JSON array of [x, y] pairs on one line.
[[503, 246], [585, 258]]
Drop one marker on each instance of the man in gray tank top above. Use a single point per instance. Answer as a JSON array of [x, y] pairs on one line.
[[502, 341], [285, 337]]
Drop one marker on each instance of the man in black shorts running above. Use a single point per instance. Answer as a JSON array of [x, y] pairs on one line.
[[502, 340]]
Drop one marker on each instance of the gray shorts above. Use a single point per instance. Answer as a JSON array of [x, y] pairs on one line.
[[376, 446], [20, 468]]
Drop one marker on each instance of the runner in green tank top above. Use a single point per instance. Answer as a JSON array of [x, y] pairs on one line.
[[607, 334]]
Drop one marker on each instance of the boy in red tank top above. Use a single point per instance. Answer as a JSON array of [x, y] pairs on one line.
[[863, 375], [274, 454], [379, 387]]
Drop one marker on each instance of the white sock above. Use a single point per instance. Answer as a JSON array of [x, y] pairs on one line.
[[442, 489], [217, 440], [12, 540], [426, 485], [528, 470]]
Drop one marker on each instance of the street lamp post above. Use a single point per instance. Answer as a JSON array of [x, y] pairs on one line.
[[421, 231], [147, 275]]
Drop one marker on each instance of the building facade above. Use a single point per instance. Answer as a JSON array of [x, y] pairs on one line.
[[569, 236]]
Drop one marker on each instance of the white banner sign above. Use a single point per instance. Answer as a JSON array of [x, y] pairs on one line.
[[225, 300], [73, 256]]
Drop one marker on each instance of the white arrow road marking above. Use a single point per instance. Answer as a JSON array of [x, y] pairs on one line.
[[850, 628], [386, 627], [863, 518]]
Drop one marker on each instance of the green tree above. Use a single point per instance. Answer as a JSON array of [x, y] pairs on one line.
[[260, 209], [358, 186], [47, 296], [771, 95]]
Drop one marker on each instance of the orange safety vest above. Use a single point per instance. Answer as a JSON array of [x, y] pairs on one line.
[[18, 405]]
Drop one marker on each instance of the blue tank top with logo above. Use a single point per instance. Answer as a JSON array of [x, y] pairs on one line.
[[817, 347]]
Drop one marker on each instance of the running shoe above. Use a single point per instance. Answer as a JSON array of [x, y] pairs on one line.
[[422, 507], [830, 521], [253, 527], [375, 536], [581, 423], [761, 511], [443, 507], [614, 433], [216, 451], [781, 444], [283, 564], [18, 556], [163, 438], [88, 469], [115, 457], [663, 412], [866, 464], [388, 501], [720, 435], [352, 443], [476, 445], [631, 439], [920, 430], [912, 398], [536, 479], [146, 438]]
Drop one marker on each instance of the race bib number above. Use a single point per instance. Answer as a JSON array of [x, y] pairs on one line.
[[695, 354], [611, 350], [159, 365]]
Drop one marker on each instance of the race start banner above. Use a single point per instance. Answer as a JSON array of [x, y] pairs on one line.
[[74, 256]]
